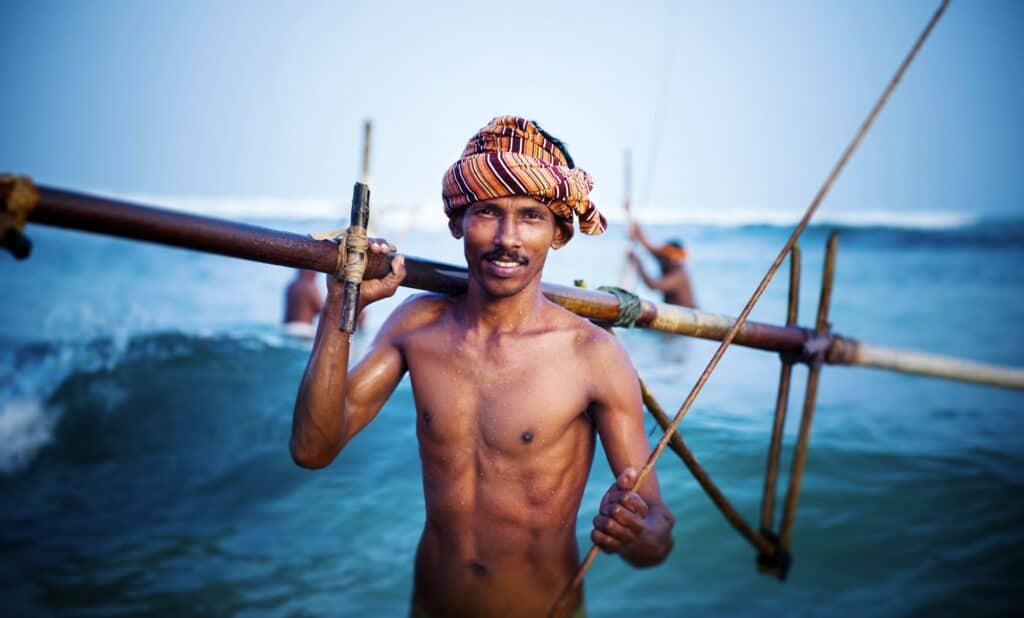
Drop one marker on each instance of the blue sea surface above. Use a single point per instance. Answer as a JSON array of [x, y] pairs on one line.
[[145, 407]]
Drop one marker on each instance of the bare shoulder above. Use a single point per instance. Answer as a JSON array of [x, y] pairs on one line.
[[417, 312], [596, 348], [603, 361]]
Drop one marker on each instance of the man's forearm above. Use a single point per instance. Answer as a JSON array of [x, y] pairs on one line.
[[642, 239], [648, 281], [656, 542], [318, 422]]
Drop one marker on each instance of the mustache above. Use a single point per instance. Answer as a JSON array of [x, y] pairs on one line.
[[504, 256]]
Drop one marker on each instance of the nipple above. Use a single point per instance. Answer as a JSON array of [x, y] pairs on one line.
[[478, 569]]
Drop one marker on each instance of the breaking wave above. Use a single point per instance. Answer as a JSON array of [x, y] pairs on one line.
[[41, 381]]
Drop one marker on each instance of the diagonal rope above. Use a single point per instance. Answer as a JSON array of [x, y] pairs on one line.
[[706, 374]]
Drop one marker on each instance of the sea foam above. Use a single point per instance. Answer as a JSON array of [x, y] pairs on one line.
[[25, 427]]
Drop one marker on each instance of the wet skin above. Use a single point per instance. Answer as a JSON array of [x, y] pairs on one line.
[[511, 392]]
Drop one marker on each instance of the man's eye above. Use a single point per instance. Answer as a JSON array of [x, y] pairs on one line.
[[532, 214]]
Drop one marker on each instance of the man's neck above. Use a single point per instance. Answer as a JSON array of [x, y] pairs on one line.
[[490, 315]]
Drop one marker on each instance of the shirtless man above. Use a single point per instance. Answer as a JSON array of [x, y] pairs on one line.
[[674, 282], [510, 390], [302, 299]]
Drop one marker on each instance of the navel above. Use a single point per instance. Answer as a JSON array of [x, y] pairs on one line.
[[527, 437], [426, 417]]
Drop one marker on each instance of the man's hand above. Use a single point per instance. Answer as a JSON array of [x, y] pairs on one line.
[[621, 520], [372, 290], [628, 525]]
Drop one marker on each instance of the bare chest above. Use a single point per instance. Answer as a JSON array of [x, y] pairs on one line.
[[513, 400]]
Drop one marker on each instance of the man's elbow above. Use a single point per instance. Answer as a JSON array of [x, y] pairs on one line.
[[311, 458]]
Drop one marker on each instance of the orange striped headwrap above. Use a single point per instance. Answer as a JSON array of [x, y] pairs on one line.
[[512, 156], [673, 253]]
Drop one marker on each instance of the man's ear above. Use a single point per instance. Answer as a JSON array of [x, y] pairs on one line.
[[455, 222], [563, 232]]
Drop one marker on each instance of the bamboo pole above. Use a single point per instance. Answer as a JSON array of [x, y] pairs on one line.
[[78, 211], [67, 209], [810, 397], [367, 130], [850, 352], [627, 273], [781, 401]]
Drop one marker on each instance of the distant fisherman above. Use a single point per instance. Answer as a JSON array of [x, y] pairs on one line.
[[674, 282], [511, 392], [302, 303]]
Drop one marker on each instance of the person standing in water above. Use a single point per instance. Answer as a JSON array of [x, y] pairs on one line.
[[302, 300], [511, 393], [674, 282]]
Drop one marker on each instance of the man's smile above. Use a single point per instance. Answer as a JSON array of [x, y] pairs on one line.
[[503, 264]]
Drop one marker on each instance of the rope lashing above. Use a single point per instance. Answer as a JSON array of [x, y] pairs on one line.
[[19, 199], [347, 239], [337, 236], [630, 306], [355, 245], [356, 257]]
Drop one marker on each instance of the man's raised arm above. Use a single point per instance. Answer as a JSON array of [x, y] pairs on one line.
[[661, 284], [637, 525], [332, 404], [637, 234]]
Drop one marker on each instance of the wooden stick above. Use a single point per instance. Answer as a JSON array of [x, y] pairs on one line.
[[810, 398], [781, 400]]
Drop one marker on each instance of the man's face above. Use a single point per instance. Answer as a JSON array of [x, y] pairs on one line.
[[506, 242]]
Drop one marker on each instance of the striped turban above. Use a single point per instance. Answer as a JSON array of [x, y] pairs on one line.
[[512, 156]]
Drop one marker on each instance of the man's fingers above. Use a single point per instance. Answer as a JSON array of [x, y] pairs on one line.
[[605, 542], [614, 529], [397, 274], [611, 498], [634, 502], [627, 519], [379, 245]]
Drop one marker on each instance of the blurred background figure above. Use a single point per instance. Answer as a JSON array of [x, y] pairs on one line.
[[674, 282], [302, 303]]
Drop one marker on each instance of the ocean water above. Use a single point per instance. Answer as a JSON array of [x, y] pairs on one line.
[[145, 406]]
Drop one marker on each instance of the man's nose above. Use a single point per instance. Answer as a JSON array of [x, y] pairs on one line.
[[508, 233]]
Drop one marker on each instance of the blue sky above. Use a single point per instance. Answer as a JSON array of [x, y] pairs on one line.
[[725, 106]]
